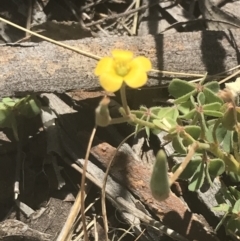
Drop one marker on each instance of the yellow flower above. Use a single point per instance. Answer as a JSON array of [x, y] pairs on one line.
[[122, 67]]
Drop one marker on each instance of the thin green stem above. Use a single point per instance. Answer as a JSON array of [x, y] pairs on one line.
[[124, 99], [119, 120], [142, 122]]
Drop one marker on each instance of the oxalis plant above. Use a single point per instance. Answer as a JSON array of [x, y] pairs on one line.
[[203, 125], [12, 111]]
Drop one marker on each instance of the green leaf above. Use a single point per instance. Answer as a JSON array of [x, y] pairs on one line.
[[216, 167], [193, 131], [224, 137], [233, 224], [233, 177], [223, 207], [197, 179], [185, 97], [178, 88], [212, 113], [168, 112], [159, 124], [9, 102], [201, 98], [29, 107], [234, 192], [147, 131], [6, 117], [211, 97], [159, 183], [236, 208], [213, 86], [189, 170], [212, 106], [185, 107], [178, 145], [189, 115]]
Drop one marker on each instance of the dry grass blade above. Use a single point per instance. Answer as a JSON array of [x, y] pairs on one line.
[[103, 197], [192, 150], [51, 40], [82, 190]]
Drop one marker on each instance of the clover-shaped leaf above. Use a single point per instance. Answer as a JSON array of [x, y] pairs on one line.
[[189, 170], [185, 107], [201, 98], [213, 86], [216, 167], [29, 106], [177, 144], [193, 131], [168, 112], [179, 88], [197, 179], [211, 97], [236, 208]]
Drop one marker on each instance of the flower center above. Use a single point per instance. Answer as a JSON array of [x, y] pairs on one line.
[[121, 67]]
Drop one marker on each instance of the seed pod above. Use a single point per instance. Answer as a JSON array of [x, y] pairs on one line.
[[102, 117], [159, 183], [228, 120]]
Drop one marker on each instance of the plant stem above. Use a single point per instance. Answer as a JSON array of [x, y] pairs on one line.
[[124, 99], [142, 122], [183, 165]]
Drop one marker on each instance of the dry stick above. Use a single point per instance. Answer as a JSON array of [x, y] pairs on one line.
[[229, 77], [115, 16], [139, 236], [29, 17], [82, 190], [147, 220], [192, 150], [103, 198], [197, 20], [71, 219], [135, 18], [92, 4], [92, 55], [52, 41], [96, 56]]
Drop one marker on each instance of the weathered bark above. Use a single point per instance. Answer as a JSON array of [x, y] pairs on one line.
[[49, 68]]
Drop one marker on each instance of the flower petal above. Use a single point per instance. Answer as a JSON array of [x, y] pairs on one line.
[[141, 62], [136, 78], [122, 55], [104, 65], [110, 81]]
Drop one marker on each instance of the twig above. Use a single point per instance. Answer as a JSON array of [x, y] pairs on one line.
[[18, 169], [29, 17], [114, 16], [192, 150], [51, 40], [91, 5], [229, 77], [82, 192], [135, 18], [198, 20], [103, 197]]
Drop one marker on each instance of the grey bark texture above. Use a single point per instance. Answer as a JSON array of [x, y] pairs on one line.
[[45, 67]]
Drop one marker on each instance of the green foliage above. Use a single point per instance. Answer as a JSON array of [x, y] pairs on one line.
[[229, 203], [199, 122], [10, 109]]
